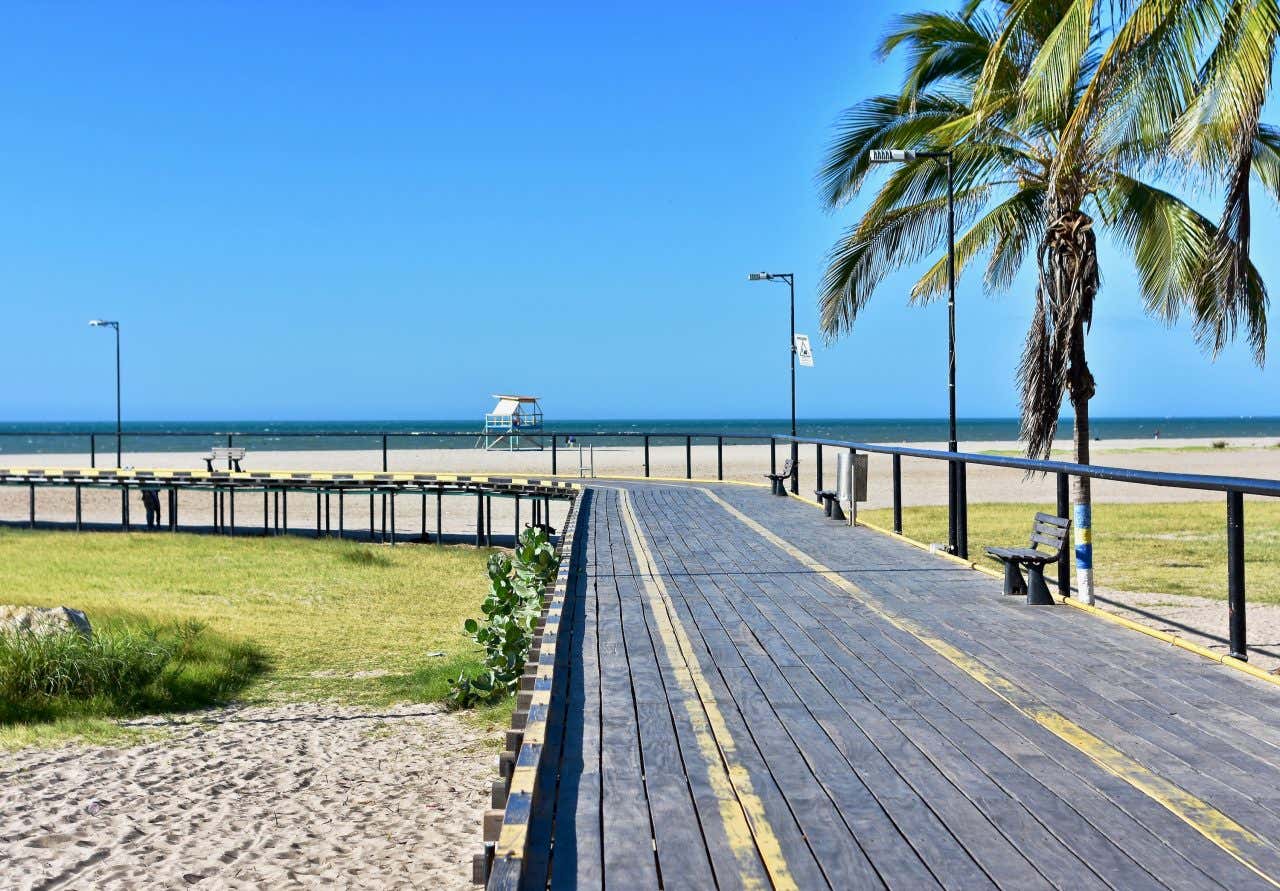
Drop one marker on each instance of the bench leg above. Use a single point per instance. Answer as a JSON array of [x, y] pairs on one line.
[[835, 511], [1037, 590], [208, 462], [1013, 581]]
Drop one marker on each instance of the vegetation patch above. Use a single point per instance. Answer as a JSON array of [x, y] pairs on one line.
[[516, 586], [127, 667], [360, 623]]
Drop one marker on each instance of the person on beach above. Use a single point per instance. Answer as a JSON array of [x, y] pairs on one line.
[[151, 501]]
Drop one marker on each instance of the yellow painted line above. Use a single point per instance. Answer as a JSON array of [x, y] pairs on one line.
[[1210, 822], [742, 815], [1099, 613]]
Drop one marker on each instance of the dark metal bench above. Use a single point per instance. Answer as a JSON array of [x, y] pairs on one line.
[[222, 453], [1047, 530], [777, 479], [830, 501]]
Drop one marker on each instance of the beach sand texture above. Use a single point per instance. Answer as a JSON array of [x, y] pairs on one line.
[[290, 796]]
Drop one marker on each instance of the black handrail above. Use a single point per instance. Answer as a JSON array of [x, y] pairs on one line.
[[1233, 487]]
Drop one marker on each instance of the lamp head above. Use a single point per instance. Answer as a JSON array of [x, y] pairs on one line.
[[102, 323], [758, 277], [891, 156]]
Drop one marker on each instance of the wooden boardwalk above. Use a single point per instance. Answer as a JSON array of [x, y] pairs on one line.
[[751, 696]]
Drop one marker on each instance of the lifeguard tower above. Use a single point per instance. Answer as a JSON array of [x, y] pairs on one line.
[[514, 424]]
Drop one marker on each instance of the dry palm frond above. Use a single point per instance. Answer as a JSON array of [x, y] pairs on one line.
[[1068, 259]]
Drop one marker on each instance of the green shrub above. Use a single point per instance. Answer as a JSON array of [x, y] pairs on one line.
[[1219, 443], [124, 668], [511, 610]]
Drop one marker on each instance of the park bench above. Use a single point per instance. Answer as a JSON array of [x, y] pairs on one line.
[[1047, 530], [830, 501], [777, 479], [223, 453]]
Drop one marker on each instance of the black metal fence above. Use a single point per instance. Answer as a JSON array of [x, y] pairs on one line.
[[1233, 489]]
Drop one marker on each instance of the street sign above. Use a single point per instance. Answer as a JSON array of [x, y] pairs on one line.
[[803, 351]]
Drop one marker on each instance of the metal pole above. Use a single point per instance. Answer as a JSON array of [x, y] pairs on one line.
[[93, 450], [439, 512], [773, 455], [953, 471], [795, 446], [31, 503], [646, 455], [517, 536], [384, 453], [897, 494], [119, 424], [230, 439], [1064, 556], [1235, 575], [371, 538], [422, 490], [232, 498], [688, 457], [554, 468], [78, 509], [488, 519], [817, 467], [479, 518], [284, 503], [266, 513], [962, 504], [393, 518], [341, 513], [719, 457], [318, 517]]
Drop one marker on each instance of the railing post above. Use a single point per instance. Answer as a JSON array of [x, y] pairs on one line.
[[646, 455], [79, 511], [229, 441], [951, 506], [1064, 555], [817, 467], [384, 453], [688, 457], [962, 510], [795, 467], [554, 468], [719, 457], [773, 455], [897, 494], [31, 522], [93, 450], [1235, 575]]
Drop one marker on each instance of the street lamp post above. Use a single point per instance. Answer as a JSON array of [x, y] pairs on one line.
[[790, 279], [957, 531], [103, 323]]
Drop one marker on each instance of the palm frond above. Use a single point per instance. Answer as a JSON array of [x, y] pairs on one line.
[[879, 244], [1013, 219], [878, 122]]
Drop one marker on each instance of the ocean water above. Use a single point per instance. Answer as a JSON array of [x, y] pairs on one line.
[[170, 436]]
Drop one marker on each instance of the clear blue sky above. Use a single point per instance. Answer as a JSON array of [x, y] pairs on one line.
[[392, 210]]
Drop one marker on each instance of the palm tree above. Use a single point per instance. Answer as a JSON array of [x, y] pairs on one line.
[[1061, 123]]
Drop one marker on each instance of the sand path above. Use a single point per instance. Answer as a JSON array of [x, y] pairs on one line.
[[298, 795]]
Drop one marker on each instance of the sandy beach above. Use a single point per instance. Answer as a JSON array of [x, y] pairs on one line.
[[924, 481], [292, 796]]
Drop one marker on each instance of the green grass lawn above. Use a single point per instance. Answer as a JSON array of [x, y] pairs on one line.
[[1169, 548], [358, 622]]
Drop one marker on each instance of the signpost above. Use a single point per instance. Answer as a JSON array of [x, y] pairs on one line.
[[804, 352]]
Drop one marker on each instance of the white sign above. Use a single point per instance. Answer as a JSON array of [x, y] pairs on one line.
[[803, 350]]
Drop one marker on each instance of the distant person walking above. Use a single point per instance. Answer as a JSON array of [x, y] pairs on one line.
[[151, 501]]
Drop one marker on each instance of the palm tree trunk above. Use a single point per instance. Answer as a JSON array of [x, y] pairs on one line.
[[1081, 385]]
